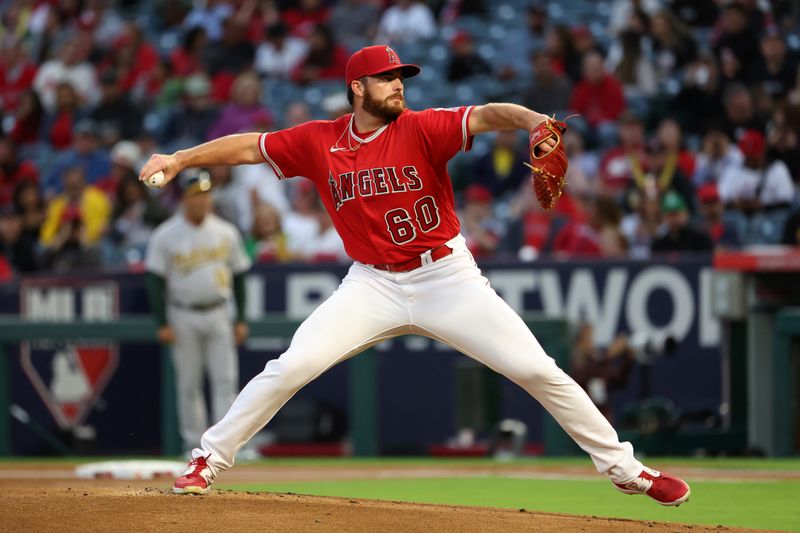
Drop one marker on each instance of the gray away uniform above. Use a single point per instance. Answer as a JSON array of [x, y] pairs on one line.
[[198, 264]]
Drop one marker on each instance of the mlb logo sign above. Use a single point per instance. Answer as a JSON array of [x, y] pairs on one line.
[[69, 376]]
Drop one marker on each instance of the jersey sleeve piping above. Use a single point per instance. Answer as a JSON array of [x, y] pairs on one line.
[[263, 147], [466, 138]]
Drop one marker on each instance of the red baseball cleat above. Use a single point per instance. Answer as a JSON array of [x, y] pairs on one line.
[[663, 488], [196, 479]]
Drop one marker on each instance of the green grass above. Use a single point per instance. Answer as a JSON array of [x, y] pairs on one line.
[[762, 505]]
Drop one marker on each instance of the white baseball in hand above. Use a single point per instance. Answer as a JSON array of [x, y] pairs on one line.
[[156, 180]]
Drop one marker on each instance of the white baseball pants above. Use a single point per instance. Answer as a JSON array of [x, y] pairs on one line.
[[448, 300], [203, 341]]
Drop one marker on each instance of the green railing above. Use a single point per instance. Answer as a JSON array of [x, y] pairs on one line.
[[363, 372]]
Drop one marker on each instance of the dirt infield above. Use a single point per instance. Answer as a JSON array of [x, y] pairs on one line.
[[42, 498]]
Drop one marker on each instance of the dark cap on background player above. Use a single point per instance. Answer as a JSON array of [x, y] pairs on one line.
[[194, 181]]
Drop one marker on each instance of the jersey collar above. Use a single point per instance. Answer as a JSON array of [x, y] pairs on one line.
[[367, 139]]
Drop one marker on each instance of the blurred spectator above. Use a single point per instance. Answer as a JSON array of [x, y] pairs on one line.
[[670, 136], [737, 45], [501, 170], [479, 227], [710, 210], [189, 122], [300, 223], [641, 226], [623, 10], [71, 66], [13, 170], [696, 13], [18, 251], [28, 119], [583, 41], [209, 15], [59, 122], [126, 156], [103, 21], [266, 242], [673, 44], [661, 174], [678, 235], [135, 216], [599, 372], [718, 154], [584, 165], [74, 224], [756, 184], [699, 100], [619, 164], [84, 154], [188, 58], [632, 66], [549, 91], [783, 143], [464, 60], [791, 231], [244, 113], [233, 53], [324, 60], [775, 73], [596, 236], [259, 15], [132, 58], [566, 59], [16, 73], [116, 114], [259, 183], [280, 53], [354, 19], [598, 97], [740, 112], [537, 25], [29, 203], [326, 246], [406, 21], [225, 194], [305, 15]]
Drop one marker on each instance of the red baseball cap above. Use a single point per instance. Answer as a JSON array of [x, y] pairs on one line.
[[708, 193], [372, 60], [751, 143]]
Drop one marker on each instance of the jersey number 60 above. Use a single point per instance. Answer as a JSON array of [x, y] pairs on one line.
[[400, 225]]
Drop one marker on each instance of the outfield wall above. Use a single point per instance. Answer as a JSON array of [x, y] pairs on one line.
[[417, 378]]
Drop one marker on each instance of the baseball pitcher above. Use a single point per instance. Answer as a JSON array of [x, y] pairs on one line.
[[381, 172]]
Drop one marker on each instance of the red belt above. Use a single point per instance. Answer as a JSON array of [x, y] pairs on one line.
[[435, 254]]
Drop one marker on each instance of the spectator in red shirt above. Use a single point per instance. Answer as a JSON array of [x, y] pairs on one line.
[[12, 170], [188, 58], [620, 163], [325, 59], [16, 73], [58, 124], [133, 58], [598, 96], [28, 119], [301, 20]]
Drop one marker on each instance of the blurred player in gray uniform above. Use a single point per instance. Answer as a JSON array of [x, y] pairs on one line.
[[195, 263]]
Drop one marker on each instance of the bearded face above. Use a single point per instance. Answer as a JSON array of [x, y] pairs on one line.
[[387, 109]]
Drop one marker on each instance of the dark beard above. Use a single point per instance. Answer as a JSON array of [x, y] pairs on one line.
[[381, 109]]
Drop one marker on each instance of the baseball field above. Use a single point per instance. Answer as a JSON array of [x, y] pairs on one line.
[[388, 495]]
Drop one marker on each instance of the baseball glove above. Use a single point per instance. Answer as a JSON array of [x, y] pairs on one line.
[[548, 169]]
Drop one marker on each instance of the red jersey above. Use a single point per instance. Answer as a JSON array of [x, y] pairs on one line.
[[388, 192]]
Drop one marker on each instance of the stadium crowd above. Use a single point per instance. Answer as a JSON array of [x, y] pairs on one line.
[[685, 139]]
